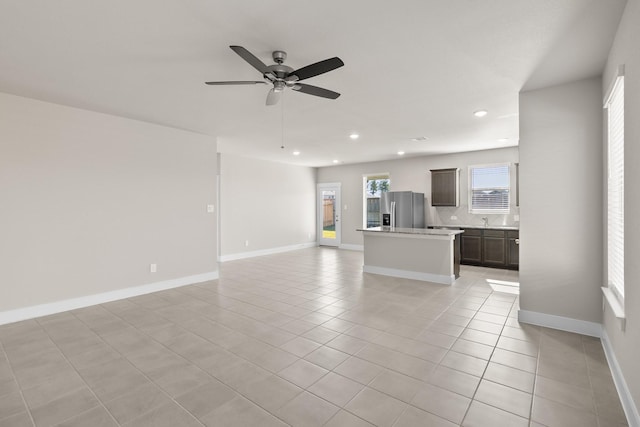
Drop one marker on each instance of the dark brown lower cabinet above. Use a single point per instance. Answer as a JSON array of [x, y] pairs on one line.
[[490, 248], [471, 247], [513, 250], [494, 250]]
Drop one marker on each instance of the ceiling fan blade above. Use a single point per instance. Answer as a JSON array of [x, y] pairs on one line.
[[241, 82], [315, 90], [250, 58], [273, 97], [317, 68]]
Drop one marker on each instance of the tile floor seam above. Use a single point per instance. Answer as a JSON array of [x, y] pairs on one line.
[[591, 389], [20, 389], [482, 377], [84, 412], [134, 367], [535, 382], [191, 363], [342, 409], [100, 403], [503, 409]]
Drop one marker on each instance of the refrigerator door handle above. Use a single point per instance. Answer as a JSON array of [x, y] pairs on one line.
[[393, 214]]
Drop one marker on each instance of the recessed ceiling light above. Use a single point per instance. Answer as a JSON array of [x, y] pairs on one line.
[[354, 136], [480, 113], [336, 161], [400, 153], [503, 140], [296, 153], [419, 138]]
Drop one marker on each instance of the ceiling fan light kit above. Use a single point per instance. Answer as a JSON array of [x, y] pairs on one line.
[[282, 76]]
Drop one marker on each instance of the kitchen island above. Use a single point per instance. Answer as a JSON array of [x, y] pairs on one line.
[[430, 255]]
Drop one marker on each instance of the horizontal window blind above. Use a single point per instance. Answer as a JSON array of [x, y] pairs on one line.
[[489, 188], [615, 188]]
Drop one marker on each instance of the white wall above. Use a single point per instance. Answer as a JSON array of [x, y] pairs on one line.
[[625, 51], [413, 174], [89, 201], [561, 200], [270, 205]]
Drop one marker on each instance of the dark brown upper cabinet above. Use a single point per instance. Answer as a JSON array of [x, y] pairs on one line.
[[445, 185]]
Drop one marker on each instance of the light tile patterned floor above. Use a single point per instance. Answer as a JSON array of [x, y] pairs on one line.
[[304, 339]]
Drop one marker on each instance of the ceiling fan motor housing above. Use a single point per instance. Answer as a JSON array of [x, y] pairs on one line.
[[279, 56], [281, 71]]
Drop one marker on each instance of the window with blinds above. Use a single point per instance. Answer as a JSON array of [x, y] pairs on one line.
[[615, 187], [489, 188]]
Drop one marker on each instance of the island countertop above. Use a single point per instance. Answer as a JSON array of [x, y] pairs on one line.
[[488, 227], [413, 231]]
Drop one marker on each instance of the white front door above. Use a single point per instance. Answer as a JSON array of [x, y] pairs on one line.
[[329, 214]]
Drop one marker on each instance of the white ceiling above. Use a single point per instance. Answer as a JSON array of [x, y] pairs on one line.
[[413, 67]]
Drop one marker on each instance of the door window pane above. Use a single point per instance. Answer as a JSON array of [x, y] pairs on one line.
[[328, 214]]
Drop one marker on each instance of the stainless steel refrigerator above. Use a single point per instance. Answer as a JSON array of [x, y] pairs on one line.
[[404, 209]]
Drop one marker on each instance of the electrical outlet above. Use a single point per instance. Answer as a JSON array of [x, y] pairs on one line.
[[516, 217], [211, 208], [454, 218], [345, 207], [308, 235], [153, 268], [246, 243]]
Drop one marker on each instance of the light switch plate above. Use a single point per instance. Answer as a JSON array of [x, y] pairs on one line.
[[454, 218], [516, 217], [211, 208], [153, 268]]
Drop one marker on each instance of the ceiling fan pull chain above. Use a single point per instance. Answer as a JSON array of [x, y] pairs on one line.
[[282, 123]]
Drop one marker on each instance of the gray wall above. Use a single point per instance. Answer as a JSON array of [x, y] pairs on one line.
[[413, 174], [269, 204], [561, 200], [90, 200], [625, 51]]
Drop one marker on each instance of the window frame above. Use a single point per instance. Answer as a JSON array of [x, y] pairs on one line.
[[365, 178], [615, 281], [470, 188]]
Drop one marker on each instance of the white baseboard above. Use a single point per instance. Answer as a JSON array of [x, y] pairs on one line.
[[630, 409], [262, 252], [89, 300], [350, 247], [407, 274], [562, 323]]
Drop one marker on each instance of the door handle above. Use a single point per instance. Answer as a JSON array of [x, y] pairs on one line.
[[517, 241]]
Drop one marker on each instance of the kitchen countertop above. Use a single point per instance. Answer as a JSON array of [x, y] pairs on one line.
[[415, 231], [490, 227]]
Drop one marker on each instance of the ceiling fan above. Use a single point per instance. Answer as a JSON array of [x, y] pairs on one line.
[[282, 76]]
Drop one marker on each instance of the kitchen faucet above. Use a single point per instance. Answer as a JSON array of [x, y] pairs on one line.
[[486, 221]]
